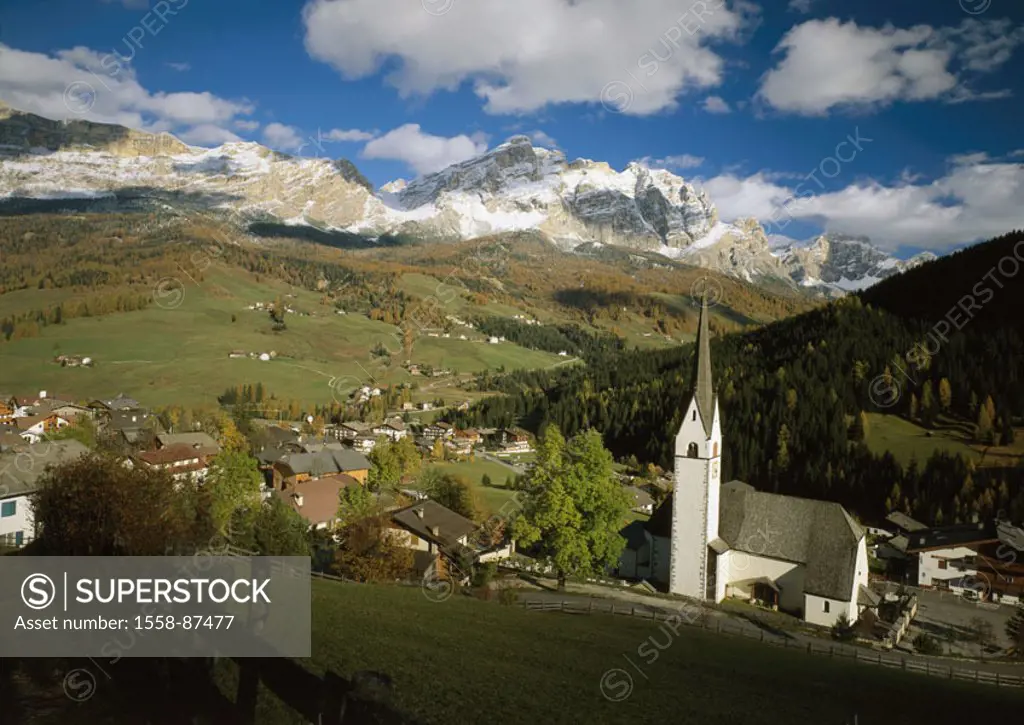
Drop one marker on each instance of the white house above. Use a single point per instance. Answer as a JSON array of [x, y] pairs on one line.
[[34, 428], [710, 541], [394, 429], [20, 471]]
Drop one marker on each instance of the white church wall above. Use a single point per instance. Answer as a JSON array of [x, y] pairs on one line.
[[825, 612], [788, 577], [861, 576]]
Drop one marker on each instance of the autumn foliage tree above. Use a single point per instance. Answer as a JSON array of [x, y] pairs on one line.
[[367, 553], [95, 506]]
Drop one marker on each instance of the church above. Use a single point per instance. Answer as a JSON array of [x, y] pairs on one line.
[[710, 540]]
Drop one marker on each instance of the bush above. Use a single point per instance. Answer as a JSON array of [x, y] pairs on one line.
[[927, 645], [507, 596], [843, 630], [484, 574]]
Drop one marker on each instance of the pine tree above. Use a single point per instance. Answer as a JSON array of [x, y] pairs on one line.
[[1015, 631], [927, 404], [983, 429], [945, 395]]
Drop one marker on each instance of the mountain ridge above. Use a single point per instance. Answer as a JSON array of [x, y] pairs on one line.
[[513, 187]]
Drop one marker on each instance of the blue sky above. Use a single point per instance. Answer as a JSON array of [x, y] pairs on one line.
[[747, 98]]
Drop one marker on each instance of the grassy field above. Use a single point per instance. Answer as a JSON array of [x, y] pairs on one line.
[[906, 440], [467, 661], [180, 355], [491, 499]]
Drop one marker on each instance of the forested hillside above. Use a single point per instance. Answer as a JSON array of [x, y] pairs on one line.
[[793, 397]]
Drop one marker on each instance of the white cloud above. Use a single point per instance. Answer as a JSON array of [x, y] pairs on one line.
[[180, 67], [682, 161], [976, 199], [243, 125], [338, 134], [829, 64], [969, 159], [82, 83], [800, 6], [541, 138], [522, 56], [283, 138], [1017, 153], [131, 4], [207, 134], [423, 152], [716, 104]]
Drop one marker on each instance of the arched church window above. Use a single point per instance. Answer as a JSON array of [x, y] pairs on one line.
[[716, 449], [694, 415], [691, 451]]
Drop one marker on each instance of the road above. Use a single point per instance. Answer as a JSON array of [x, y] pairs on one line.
[[516, 468]]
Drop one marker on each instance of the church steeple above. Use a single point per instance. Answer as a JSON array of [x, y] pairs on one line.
[[703, 392]]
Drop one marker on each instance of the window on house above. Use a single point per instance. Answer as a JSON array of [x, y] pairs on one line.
[[942, 564], [824, 607], [694, 415], [8, 508]]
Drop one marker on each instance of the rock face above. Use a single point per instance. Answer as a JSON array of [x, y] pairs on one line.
[[519, 186], [513, 187], [843, 263]]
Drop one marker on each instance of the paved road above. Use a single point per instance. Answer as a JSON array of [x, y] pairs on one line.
[[751, 625]]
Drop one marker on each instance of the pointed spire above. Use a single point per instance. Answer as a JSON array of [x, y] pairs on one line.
[[703, 392]]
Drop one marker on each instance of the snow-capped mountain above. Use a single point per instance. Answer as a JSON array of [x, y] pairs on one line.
[[843, 263], [514, 186]]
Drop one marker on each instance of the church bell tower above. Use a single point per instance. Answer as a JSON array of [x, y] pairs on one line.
[[697, 479]]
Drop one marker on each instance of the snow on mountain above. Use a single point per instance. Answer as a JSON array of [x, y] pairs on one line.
[[515, 186]]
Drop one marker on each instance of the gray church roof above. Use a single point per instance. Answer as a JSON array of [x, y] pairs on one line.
[[821, 535]]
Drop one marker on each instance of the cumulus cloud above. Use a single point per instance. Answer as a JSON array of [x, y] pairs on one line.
[[283, 138], [829, 64], [716, 104], [243, 125], [540, 138], [522, 56], [976, 199], [800, 6], [680, 162], [354, 134], [207, 134], [423, 152], [80, 83]]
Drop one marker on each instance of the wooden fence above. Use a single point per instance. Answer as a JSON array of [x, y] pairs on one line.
[[857, 654]]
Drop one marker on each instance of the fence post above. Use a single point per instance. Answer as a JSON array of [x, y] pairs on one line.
[[997, 679], [762, 635], [903, 663], [808, 648], [951, 672], [632, 611], [590, 608]]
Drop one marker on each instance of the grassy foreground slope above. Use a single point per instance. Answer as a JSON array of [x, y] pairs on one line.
[[467, 661]]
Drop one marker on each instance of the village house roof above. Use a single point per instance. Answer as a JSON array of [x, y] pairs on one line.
[[355, 425], [202, 443], [394, 424], [903, 522], [20, 480], [945, 537], [9, 440], [325, 462], [431, 521], [177, 453], [122, 402], [319, 497], [640, 497]]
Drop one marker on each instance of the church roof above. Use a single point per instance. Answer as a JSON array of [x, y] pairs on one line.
[[821, 535], [703, 391]]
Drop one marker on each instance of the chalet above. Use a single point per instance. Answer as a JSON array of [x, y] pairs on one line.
[[202, 443], [351, 429], [8, 406], [184, 462], [438, 429], [121, 403], [293, 468], [513, 440], [939, 557], [426, 406], [642, 502], [394, 429], [132, 427], [34, 428], [364, 443], [429, 526], [316, 499], [17, 523], [68, 411]]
